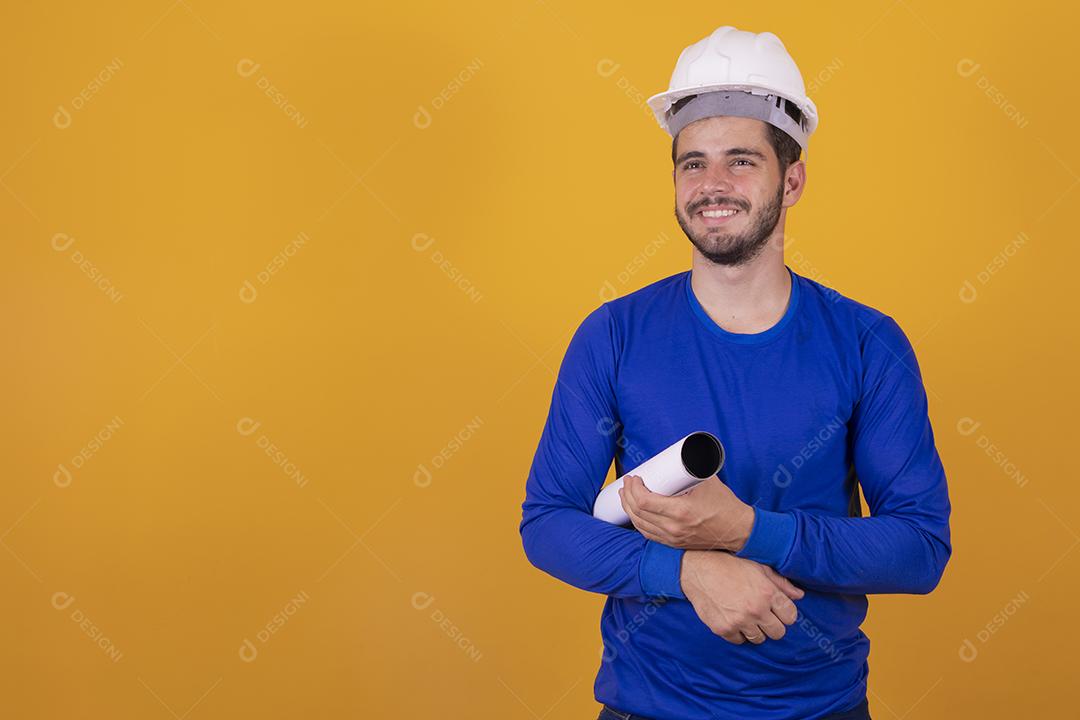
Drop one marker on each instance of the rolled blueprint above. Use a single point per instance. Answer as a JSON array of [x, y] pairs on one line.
[[672, 471]]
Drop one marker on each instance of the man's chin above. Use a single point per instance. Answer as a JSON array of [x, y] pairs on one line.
[[726, 250], [719, 244]]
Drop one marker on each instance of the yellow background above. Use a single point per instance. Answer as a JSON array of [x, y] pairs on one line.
[[399, 363]]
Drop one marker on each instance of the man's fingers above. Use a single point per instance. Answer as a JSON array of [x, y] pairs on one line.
[[647, 527], [629, 499], [734, 637], [626, 493], [754, 633], [635, 496], [648, 504], [773, 627], [644, 525], [642, 519], [784, 609], [784, 584]]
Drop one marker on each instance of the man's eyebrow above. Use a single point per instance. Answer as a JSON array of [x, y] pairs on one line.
[[729, 152]]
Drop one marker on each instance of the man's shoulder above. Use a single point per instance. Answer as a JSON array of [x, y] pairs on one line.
[[822, 302], [644, 298], [618, 316], [864, 328], [839, 308]]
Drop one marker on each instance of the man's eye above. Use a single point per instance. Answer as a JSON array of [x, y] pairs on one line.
[[687, 165], [744, 160]]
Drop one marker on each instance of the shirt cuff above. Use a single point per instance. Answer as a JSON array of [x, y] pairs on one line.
[[771, 537], [661, 568]]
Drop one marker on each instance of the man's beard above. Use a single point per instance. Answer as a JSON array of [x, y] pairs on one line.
[[726, 248]]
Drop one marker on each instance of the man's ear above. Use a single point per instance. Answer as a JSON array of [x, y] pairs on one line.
[[795, 173]]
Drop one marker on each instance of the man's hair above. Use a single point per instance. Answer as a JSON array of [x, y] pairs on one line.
[[786, 149]]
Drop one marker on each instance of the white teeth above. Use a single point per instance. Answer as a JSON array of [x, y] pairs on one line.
[[718, 213]]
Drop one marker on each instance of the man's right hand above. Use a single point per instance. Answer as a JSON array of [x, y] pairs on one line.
[[738, 599]]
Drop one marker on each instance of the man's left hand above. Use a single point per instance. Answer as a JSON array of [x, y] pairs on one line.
[[707, 517]]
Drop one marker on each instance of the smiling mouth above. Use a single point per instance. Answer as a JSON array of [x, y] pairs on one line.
[[717, 215]]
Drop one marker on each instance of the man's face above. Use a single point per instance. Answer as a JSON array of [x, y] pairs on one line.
[[723, 164]]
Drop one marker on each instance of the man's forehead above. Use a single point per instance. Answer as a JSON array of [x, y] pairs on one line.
[[724, 129]]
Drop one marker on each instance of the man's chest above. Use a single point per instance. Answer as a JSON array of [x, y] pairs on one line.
[[782, 414]]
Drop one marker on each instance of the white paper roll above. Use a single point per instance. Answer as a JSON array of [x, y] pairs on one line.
[[672, 471]]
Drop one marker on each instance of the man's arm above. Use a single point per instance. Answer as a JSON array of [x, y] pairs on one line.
[[905, 544], [577, 446]]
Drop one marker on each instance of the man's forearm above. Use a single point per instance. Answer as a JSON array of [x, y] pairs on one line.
[[593, 555], [886, 554]]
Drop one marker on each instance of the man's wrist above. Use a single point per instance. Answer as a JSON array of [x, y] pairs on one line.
[[744, 525], [687, 568]]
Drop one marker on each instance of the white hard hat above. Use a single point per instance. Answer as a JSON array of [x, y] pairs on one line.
[[734, 72]]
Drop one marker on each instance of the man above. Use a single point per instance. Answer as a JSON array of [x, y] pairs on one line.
[[742, 598]]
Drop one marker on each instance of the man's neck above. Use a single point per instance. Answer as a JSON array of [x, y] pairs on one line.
[[749, 298]]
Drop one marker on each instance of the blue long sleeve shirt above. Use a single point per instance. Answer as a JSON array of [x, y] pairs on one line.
[[830, 396]]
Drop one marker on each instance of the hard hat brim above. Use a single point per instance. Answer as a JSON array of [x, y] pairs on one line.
[[662, 102]]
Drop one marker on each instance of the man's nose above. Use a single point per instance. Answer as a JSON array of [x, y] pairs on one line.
[[717, 179]]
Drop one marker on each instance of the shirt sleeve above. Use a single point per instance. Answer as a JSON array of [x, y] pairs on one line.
[[904, 545], [558, 531]]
